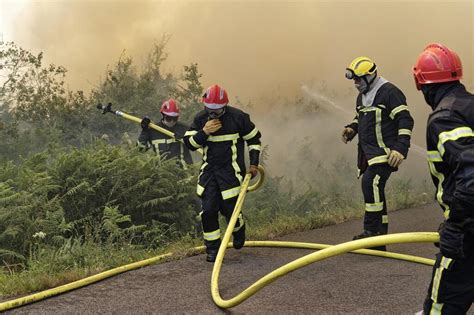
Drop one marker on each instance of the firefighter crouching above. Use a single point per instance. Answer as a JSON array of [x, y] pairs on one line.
[[384, 125], [162, 144], [450, 145], [221, 130]]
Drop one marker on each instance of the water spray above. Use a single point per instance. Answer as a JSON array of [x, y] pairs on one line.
[[420, 151]]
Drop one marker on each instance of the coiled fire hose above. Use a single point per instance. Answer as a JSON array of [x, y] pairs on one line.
[[326, 252]]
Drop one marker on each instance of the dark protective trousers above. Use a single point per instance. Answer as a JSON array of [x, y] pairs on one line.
[[451, 290], [212, 204], [373, 188]]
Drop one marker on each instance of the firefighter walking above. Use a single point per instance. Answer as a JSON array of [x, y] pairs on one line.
[[162, 144], [450, 145], [221, 130], [384, 126]]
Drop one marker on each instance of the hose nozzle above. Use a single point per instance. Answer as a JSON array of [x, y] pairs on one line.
[[105, 109]]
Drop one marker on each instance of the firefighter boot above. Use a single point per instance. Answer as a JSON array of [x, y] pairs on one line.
[[212, 248], [211, 255], [366, 234], [239, 238]]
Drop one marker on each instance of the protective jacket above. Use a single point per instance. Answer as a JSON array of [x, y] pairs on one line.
[[383, 125], [450, 144], [164, 145], [223, 151]]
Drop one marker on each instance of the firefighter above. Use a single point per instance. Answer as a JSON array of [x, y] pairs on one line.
[[384, 125], [221, 130], [162, 144], [450, 145]]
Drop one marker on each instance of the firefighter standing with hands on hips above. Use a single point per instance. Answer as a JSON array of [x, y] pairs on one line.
[[162, 144], [450, 145], [221, 130], [384, 125]]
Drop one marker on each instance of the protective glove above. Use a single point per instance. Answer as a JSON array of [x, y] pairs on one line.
[[212, 126], [145, 123], [347, 134], [253, 170], [395, 158], [451, 240]]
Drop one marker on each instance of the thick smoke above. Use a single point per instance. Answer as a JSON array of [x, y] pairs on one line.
[[261, 51]]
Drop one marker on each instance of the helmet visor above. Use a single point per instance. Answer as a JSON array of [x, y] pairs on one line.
[[215, 113], [350, 74], [170, 118]]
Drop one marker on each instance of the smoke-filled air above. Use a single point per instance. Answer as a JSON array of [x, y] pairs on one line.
[[263, 52]]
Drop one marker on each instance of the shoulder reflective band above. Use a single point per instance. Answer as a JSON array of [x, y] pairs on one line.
[[453, 135], [397, 109]]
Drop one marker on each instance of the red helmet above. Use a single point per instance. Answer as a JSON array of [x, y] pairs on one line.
[[215, 97], [170, 108], [437, 64]]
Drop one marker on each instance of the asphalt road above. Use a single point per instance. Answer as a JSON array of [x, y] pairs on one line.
[[348, 284]]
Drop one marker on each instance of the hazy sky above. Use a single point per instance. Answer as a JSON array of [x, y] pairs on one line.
[[250, 47], [258, 50]]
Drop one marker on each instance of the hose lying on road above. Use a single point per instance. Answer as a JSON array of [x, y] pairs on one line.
[[326, 252]]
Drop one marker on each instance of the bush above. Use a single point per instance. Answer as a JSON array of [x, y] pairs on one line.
[[100, 193]]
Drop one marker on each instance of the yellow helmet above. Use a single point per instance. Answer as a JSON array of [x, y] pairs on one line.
[[359, 67]]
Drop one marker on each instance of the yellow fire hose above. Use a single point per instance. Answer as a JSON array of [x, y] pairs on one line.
[[326, 252], [108, 109]]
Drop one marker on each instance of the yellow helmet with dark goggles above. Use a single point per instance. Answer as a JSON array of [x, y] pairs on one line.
[[360, 67]]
